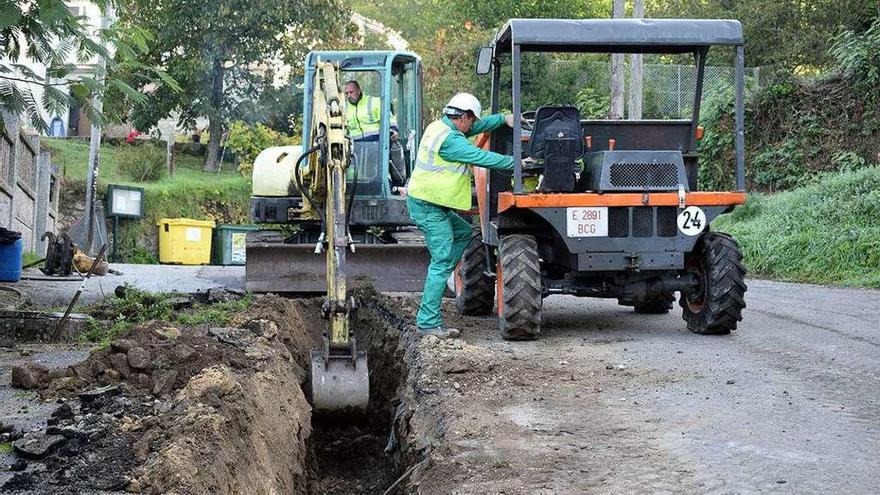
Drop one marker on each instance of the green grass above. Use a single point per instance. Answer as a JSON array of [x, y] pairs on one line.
[[30, 257], [5, 448], [826, 233], [72, 157], [139, 306], [214, 314]]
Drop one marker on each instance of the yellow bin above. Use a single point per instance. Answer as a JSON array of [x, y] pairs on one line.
[[183, 241]]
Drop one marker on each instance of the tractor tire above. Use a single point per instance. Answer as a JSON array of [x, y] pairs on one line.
[[475, 292], [519, 288], [659, 305], [716, 308]]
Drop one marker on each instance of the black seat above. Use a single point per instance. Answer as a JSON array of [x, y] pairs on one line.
[[557, 140]]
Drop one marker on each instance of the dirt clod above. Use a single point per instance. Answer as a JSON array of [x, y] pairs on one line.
[[122, 345], [163, 381], [30, 376], [119, 362], [183, 353]]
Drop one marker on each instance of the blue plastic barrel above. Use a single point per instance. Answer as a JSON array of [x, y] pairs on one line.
[[10, 256], [10, 261]]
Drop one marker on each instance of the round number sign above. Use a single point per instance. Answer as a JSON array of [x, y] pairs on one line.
[[692, 221]]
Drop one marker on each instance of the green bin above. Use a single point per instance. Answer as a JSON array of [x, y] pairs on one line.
[[229, 243]]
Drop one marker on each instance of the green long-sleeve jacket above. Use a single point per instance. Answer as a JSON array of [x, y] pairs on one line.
[[457, 148]]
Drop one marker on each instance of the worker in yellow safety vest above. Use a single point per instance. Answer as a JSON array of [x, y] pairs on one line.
[[441, 184], [363, 114]]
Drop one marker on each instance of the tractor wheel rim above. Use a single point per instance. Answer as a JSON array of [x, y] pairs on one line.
[[697, 300]]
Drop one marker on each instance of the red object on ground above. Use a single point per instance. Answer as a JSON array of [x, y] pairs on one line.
[[131, 136]]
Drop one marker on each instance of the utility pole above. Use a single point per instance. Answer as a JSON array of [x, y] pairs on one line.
[[90, 232], [635, 73], [617, 70]]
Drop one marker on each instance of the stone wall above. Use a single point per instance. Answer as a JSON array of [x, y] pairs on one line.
[[29, 185]]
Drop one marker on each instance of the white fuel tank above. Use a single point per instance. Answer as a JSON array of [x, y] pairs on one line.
[[273, 171]]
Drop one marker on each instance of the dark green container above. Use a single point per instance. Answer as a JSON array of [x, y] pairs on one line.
[[229, 243]]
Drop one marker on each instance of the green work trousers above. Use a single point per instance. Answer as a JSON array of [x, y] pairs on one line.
[[446, 235]]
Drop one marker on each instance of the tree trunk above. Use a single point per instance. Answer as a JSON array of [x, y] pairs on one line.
[[635, 75], [169, 150], [617, 70], [215, 120]]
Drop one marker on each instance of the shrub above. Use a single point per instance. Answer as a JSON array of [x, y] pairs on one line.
[[591, 104], [143, 163], [248, 141]]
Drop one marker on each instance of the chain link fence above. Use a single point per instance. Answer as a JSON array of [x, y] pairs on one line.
[[667, 90]]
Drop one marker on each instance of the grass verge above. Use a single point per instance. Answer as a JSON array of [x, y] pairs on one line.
[[824, 233], [137, 306]]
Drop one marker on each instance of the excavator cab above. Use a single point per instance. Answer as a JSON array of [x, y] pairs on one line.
[[383, 154]]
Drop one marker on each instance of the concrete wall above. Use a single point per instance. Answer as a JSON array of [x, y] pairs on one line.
[[28, 185]]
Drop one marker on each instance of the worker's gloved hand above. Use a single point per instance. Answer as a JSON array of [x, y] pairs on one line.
[[508, 119], [399, 191]]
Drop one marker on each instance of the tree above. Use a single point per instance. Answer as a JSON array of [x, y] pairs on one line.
[[786, 33], [46, 35], [219, 51]]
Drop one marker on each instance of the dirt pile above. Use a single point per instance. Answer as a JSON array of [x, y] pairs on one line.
[[180, 409]]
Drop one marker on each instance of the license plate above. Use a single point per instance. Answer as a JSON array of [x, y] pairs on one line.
[[587, 221]]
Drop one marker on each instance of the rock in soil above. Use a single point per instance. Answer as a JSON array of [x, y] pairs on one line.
[[37, 445], [100, 392], [64, 411], [30, 376], [119, 361], [138, 358]]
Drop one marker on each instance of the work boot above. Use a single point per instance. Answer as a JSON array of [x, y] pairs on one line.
[[440, 332]]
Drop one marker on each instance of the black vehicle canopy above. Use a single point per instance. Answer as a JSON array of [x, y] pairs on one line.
[[617, 35]]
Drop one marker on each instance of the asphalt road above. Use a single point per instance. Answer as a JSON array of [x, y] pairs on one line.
[[627, 403], [55, 291]]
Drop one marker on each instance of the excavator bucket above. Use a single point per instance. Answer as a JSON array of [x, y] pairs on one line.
[[340, 383], [295, 268]]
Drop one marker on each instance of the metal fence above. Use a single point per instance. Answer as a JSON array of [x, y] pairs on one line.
[[667, 90]]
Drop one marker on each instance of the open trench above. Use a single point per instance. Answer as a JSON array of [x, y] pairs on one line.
[[361, 455]]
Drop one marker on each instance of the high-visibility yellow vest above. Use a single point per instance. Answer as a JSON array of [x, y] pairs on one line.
[[436, 180], [364, 117]]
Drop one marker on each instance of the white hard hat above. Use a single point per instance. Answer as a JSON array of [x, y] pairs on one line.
[[463, 102]]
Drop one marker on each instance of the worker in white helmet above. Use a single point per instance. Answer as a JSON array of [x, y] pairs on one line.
[[440, 185]]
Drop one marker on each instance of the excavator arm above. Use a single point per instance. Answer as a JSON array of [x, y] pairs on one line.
[[339, 373]]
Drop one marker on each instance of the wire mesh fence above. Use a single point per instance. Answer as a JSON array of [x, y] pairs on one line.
[[667, 90]]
